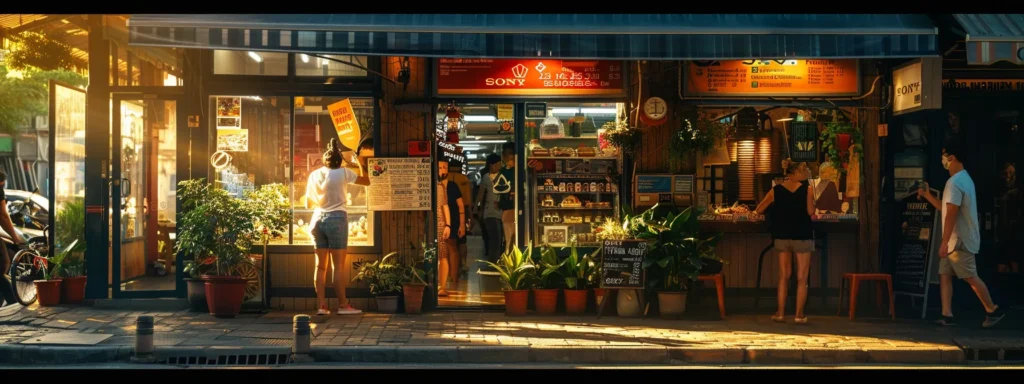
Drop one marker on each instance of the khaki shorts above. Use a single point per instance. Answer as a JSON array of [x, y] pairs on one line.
[[794, 246], [959, 263]]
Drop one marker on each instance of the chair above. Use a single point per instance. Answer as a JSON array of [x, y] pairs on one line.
[[719, 280], [855, 280]]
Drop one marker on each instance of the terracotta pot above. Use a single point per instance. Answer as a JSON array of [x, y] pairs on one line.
[[575, 301], [672, 305], [48, 292], [73, 289], [545, 301], [843, 142], [224, 295], [515, 302], [387, 304], [197, 295], [413, 294], [598, 296]]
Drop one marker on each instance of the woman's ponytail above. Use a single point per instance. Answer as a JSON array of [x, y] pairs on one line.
[[332, 156]]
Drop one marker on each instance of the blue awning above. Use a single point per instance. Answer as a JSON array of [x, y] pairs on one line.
[[568, 36], [993, 37]]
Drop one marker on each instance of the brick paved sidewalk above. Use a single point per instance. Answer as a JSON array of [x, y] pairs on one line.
[[35, 335]]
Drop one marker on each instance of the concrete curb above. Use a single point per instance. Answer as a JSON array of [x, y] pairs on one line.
[[17, 354]]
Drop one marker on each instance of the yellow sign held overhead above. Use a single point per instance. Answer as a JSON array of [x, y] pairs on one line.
[[345, 123]]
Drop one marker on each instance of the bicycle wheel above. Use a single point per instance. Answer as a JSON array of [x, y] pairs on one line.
[[24, 272]]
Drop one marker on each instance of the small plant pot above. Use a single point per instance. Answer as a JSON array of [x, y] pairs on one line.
[[575, 301], [73, 290], [197, 295], [672, 305], [515, 302], [413, 295], [387, 304], [545, 301], [48, 292], [224, 295]]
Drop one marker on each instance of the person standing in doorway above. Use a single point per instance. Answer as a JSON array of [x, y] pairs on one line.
[[6, 291], [460, 179], [792, 206], [504, 187], [454, 230], [326, 189], [489, 210], [961, 235]]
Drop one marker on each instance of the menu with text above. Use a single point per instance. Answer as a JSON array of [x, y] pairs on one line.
[[399, 184], [822, 77]]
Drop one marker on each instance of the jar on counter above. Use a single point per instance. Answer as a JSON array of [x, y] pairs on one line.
[[561, 186]]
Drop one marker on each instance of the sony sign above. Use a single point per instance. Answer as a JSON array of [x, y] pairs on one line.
[[917, 85], [518, 78]]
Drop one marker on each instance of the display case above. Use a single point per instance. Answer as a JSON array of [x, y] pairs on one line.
[[360, 220]]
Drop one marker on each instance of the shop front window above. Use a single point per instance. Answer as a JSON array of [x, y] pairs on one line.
[[69, 158], [313, 131], [250, 63], [311, 65]]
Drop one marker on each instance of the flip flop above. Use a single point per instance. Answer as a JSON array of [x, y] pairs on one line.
[[778, 319], [442, 293]]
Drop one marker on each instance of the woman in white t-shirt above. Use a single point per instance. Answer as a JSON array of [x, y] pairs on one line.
[[325, 189]]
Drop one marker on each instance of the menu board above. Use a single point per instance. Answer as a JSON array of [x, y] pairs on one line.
[[622, 264], [399, 184], [919, 227], [820, 77], [526, 77]]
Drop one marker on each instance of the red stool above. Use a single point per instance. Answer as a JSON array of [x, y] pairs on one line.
[[855, 280], [719, 287]]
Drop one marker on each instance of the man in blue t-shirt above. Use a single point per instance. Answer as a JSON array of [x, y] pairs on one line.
[[961, 235]]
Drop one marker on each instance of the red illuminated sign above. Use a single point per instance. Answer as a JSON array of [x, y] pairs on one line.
[[516, 77]]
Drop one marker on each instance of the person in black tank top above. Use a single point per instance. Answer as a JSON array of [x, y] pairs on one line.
[[791, 204]]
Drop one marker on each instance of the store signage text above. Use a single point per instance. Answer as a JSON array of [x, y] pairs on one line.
[[916, 86], [549, 77], [987, 85], [728, 78]]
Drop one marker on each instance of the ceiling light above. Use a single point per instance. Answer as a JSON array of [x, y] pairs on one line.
[[484, 142], [479, 118], [304, 57], [255, 56], [589, 111]]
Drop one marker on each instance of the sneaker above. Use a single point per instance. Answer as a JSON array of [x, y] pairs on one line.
[[323, 311], [946, 321], [992, 318], [348, 310]]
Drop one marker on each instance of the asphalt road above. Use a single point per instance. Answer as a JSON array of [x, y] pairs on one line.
[[522, 366]]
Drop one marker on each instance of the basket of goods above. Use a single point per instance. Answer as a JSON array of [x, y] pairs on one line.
[[584, 151], [571, 201], [572, 219], [563, 152]]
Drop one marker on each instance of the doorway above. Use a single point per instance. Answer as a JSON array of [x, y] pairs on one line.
[[143, 190]]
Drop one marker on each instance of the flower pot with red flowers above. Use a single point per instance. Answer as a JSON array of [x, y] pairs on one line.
[[516, 272], [839, 140], [219, 231]]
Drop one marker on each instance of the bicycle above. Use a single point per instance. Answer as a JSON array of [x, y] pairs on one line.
[[29, 265]]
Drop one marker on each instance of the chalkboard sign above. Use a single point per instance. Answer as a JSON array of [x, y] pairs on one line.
[[919, 229], [803, 141], [622, 264]]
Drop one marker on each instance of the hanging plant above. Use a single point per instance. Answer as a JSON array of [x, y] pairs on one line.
[[698, 135], [839, 140], [622, 137], [35, 50]]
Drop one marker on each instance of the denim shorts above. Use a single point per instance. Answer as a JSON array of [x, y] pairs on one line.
[[331, 231]]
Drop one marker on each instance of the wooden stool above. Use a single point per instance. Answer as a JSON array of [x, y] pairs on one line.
[[720, 288], [855, 279]]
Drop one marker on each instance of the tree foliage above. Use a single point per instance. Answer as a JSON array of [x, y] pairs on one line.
[[24, 94]]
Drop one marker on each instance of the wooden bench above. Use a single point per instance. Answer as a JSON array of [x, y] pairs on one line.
[[855, 280]]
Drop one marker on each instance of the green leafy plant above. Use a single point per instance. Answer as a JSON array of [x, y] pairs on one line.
[[696, 135], [677, 251], [830, 142], [580, 272], [70, 225], [384, 277], [516, 269], [57, 266], [36, 50], [621, 136], [550, 269], [24, 94]]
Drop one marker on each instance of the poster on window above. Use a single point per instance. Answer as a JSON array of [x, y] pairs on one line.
[[345, 122], [399, 184], [229, 107], [232, 140]]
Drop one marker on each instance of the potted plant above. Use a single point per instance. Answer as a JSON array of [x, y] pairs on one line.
[[415, 276], [195, 285], [838, 139], [49, 288], [384, 278], [516, 271], [545, 297], [579, 275], [219, 231], [676, 254], [73, 275]]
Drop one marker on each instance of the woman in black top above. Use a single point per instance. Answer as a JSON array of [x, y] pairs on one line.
[[792, 205]]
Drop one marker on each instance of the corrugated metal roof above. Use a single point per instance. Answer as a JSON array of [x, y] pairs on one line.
[[1008, 27], [14, 20]]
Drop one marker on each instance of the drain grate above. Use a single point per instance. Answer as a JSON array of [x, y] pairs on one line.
[[994, 354], [247, 360]]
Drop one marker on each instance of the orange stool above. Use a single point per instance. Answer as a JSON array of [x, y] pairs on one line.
[[855, 280], [719, 287]]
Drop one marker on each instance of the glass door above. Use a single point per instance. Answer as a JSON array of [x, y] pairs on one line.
[[143, 206]]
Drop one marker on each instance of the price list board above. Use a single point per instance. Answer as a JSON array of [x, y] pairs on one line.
[[919, 228], [622, 264], [399, 184], [729, 78]]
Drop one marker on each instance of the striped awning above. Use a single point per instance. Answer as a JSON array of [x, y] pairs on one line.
[[992, 38], [570, 36]]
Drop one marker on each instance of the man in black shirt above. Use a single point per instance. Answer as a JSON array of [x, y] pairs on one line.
[[5, 259]]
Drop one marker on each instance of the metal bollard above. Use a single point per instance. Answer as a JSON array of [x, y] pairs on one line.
[[300, 335], [143, 339]]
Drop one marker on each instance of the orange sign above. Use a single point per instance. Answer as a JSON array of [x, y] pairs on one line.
[[520, 77], [764, 78], [345, 123]]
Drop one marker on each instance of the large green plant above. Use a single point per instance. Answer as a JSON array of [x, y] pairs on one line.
[[516, 269], [219, 231], [70, 224], [550, 269], [677, 251], [24, 94], [36, 50], [384, 277], [580, 272]]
